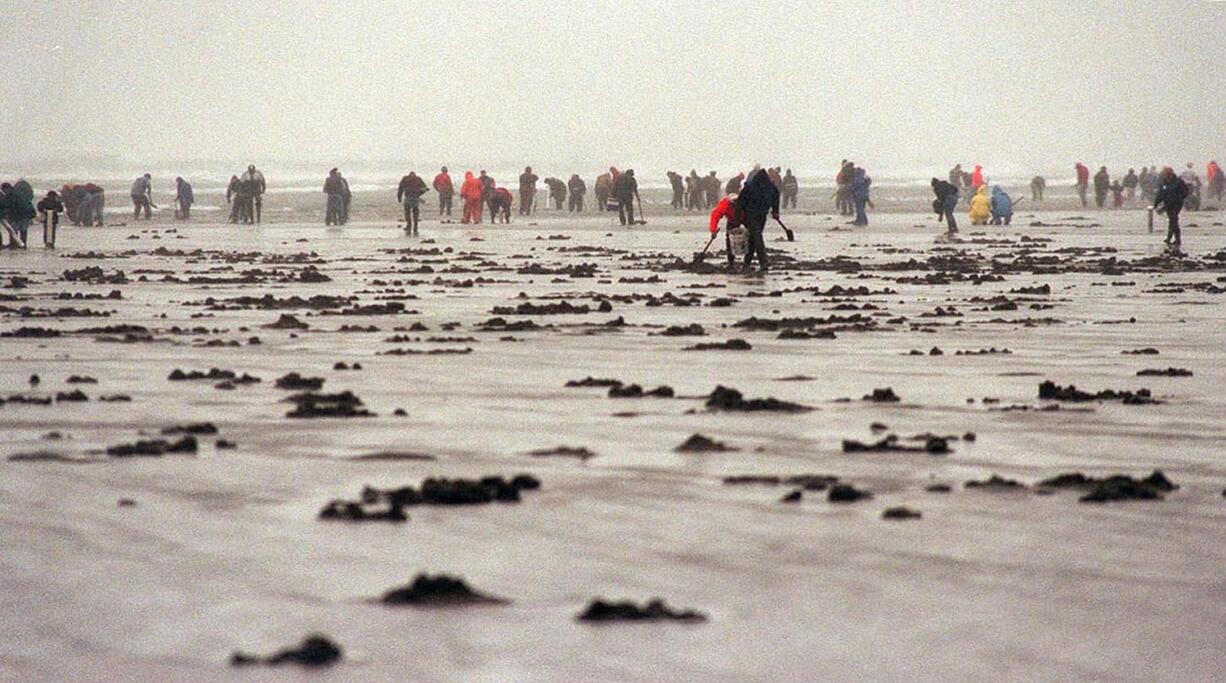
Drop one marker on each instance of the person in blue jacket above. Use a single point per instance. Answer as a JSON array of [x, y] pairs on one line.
[[860, 183], [1002, 207]]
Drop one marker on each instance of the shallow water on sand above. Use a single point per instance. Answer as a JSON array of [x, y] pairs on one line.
[[223, 550]]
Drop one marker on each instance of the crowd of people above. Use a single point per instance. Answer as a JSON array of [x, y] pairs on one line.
[[615, 191], [1166, 191]]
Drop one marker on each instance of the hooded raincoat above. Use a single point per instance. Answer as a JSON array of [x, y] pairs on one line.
[[980, 207], [471, 192], [1002, 205]]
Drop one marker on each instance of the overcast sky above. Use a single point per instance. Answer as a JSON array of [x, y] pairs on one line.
[[904, 86]]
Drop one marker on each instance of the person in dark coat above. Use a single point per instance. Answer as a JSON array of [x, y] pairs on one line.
[[791, 189], [733, 186], [142, 197], [233, 198], [577, 188], [17, 207], [946, 202], [557, 192], [50, 207], [758, 197], [500, 205], [1171, 193], [409, 192], [625, 191], [1102, 185], [527, 191], [678, 184], [334, 189], [184, 198]]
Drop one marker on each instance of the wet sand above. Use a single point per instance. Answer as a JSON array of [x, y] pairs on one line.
[[222, 550]]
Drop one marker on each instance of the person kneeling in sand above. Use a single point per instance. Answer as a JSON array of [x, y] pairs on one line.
[[981, 209]]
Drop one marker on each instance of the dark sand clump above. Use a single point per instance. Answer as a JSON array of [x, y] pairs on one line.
[[602, 611], [439, 590], [728, 399], [315, 650]]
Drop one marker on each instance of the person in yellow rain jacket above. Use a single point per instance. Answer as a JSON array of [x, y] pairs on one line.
[[981, 207]]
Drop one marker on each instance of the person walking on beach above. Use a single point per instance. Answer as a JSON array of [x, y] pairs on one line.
[[471, 193], [695, 191], [791, 189], [1102, 185], [254, 187], [625, 191], [1083, 182], [184, 198], [527, 191], [758, 198], [678, 184], [1037, 185], [946, 202], [1131, 182], [444, 188], [1216, 181], [232, 190], [142, 197], [409, 193], [712, 190], [487, 184], [842, 192], [577, 189], [1169, 199], [860, 184], [346, 198], [334, 189], [1149, 184]]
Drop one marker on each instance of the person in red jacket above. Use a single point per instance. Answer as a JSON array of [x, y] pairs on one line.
[[1083, 182], [471, 193], [977, 177], [444, 188], [728, 210], [1215, 180]]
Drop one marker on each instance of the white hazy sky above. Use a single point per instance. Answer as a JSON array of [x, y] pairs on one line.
[[898, 85]]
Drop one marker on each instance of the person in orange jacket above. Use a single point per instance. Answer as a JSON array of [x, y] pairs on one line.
[[471, 192], [444, 188], [728, 210]]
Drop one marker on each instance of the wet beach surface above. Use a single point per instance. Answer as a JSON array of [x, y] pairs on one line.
[[141, 543]]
